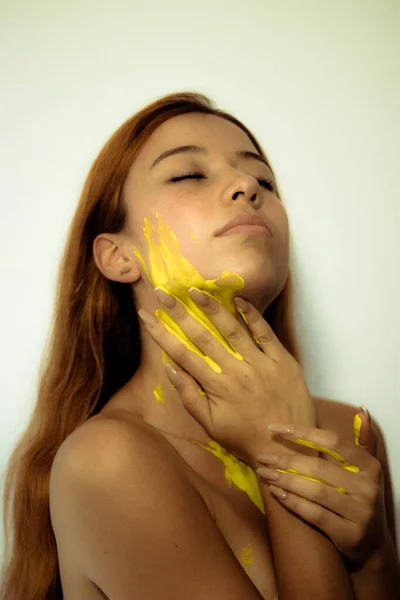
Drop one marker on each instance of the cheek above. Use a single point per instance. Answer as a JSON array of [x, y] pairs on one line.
[[277, 215]]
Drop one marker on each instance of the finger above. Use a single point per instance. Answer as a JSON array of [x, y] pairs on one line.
[[260, 329], [231, 334], [315, 469], [177, 345], [339, 530], [347, 453], [364, 433], [193, 398], [212, 340], [342, 504]]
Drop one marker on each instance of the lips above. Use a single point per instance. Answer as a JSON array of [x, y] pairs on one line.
[[242, 219]]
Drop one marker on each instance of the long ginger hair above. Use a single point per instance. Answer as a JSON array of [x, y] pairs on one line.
[[91, 351]]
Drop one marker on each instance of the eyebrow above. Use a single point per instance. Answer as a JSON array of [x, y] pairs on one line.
[[247, 154]]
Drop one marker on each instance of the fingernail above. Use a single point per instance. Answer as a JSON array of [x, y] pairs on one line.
[[366, 412], [174, 375], [268, 459], [242, 304], [283, 429], [165, 299], [147, 318], [199, 297]]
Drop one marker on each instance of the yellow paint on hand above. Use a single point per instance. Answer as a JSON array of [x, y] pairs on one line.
[[339, 489], [170, 271], [345, 464], [357, 428]]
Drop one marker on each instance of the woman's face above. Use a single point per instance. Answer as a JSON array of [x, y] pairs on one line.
[[195, 208]]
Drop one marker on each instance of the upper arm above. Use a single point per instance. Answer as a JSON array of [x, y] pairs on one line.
[[136, 526], [388, 486]]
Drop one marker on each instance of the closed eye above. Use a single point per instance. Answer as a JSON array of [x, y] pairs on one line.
[[267, 183]]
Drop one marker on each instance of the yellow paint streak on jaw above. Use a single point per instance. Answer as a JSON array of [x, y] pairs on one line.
[[237, 472]]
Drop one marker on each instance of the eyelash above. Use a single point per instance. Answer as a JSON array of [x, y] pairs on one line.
[[267, 183]]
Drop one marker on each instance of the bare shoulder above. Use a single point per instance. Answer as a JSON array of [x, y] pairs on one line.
[[130, 519]]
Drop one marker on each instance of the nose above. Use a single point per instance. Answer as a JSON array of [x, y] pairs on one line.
[[245, 186]]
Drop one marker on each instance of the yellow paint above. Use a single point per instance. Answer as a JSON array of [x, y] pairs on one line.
[[158, 393], [170, 271], [357, 428], [193, 237], [339, 489], [246, 557], [237, 472]]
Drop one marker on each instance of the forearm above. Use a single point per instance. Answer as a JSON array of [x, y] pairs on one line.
[[380, 576], [307, 563]]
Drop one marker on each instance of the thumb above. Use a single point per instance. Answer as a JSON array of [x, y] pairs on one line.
[[364, 433]]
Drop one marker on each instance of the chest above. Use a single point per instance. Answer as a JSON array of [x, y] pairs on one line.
[[231, 492]]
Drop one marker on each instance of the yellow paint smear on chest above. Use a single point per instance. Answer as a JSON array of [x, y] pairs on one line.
[[237, 472]]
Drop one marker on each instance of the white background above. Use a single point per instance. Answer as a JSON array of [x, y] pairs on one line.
[[316, 81]]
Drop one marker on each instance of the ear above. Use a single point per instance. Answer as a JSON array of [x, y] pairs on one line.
[[112, 260]]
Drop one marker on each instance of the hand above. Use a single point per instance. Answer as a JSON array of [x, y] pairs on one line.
[[245, 386], [345, 501]]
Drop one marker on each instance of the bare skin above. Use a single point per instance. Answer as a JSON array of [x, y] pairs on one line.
[[201, 207]]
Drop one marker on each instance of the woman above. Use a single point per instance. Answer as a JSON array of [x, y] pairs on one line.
[[129, 485]]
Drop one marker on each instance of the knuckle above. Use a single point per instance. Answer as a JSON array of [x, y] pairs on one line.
[[203, 338], [320, 468], [317, 516], [264, 336], [319, 494], [372, 492], [179, 311], [358, 534], [234, 334], [182, 354], [376, 469], [213, 309], [367, 517], [336, 442]]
